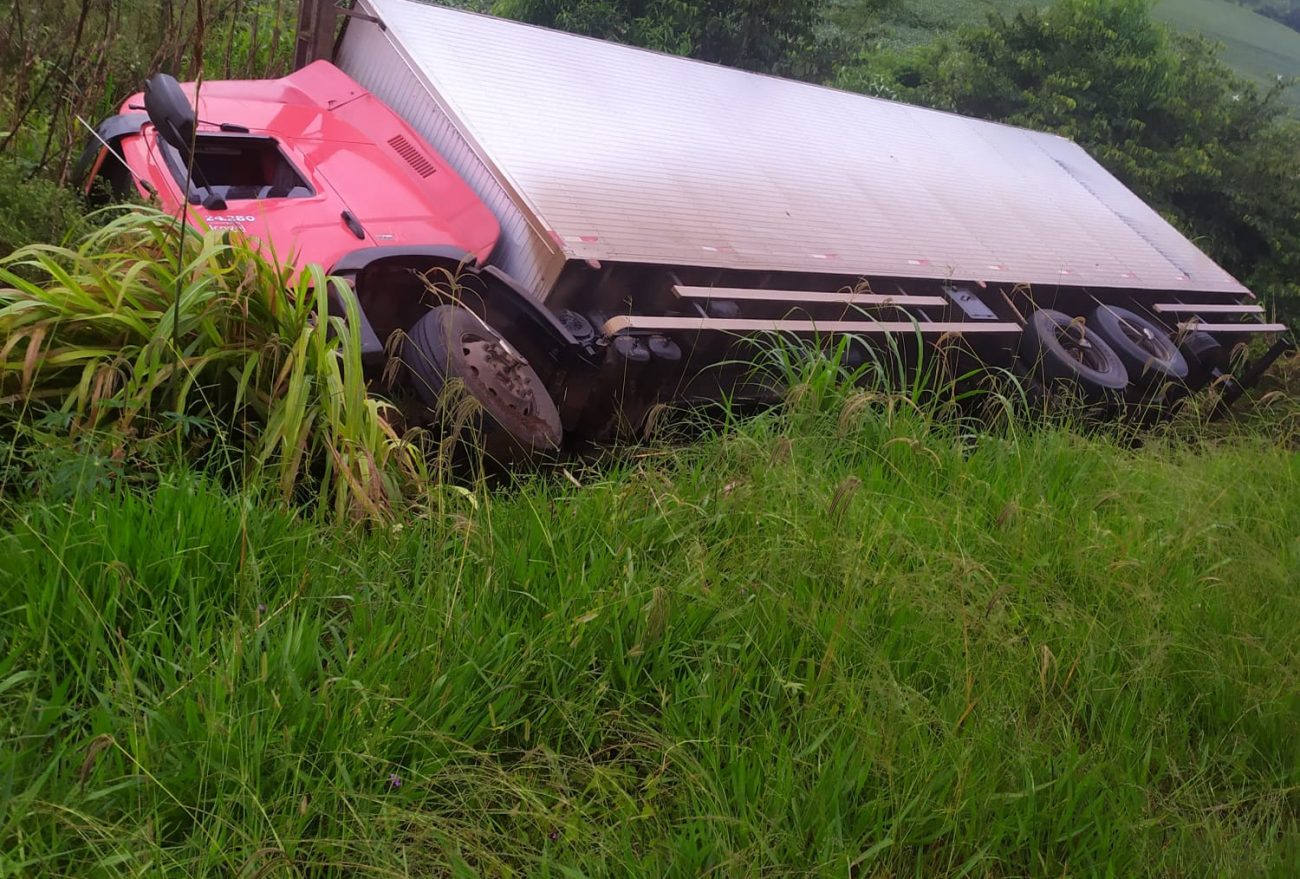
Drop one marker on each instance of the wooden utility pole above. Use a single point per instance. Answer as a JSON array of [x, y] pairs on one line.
[[317, 23]]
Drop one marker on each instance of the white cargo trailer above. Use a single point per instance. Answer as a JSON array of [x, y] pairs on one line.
[[589, 150], [662, 207]]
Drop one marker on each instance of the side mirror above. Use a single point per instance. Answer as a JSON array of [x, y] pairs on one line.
[[170, 111]]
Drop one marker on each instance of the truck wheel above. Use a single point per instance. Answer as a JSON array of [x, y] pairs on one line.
[[1205, 358], [451, 342], [1062, 350], [1144, 346]]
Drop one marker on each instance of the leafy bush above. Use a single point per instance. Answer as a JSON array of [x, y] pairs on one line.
[[69, 62], [790, 37], [97, 339], [32, 208]]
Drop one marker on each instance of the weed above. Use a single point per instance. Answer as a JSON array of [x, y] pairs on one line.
[[801, 646], [107, 337]]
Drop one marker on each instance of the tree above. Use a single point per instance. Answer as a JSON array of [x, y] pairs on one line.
[[1217, 156], [787, 37]]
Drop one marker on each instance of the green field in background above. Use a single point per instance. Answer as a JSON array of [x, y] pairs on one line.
[[1258, 47]]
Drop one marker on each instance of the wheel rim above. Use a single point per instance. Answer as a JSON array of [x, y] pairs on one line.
[[1143, 338], [499, 373], [1074, 343], [507, 387]]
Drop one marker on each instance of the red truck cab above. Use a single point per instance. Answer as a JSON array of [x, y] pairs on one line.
[[312, 166], [316, 170]]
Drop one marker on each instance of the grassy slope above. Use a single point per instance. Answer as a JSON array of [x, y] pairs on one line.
[[870, 648], [1258, 47]]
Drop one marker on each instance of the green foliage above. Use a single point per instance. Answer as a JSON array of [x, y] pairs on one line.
[[798, 38], [1218, 157], [66, 64], [910, 23], [68, 61], [1255, 47], [845, 640], [33, 208], [96, 339]]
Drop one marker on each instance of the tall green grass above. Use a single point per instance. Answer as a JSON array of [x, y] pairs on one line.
[[845, 638], [144, 332]]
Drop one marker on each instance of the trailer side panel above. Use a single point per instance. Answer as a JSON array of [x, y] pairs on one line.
[[624, 155], [369, 56]]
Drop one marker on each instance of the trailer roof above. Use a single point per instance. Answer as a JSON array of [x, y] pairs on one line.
[[628, 155]]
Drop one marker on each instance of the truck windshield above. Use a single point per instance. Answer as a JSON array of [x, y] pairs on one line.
[[234, 167]]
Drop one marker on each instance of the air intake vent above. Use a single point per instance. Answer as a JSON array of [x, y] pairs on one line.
[[413, 157]]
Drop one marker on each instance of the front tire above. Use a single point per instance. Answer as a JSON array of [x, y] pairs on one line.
[[519, 418]]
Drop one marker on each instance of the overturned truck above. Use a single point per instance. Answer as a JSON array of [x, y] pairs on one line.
[[577, 231]]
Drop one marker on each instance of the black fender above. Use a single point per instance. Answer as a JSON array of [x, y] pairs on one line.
[[360, 259], [110, 132], [372, 347], [390, 286]]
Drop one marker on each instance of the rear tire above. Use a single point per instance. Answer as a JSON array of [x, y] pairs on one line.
[[1146, 349], [519, 419], [1061, 350], [1204, 356]]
